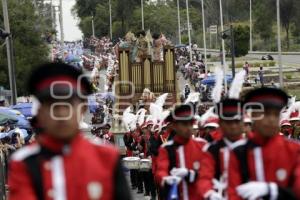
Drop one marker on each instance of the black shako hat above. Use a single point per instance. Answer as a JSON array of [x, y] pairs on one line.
[[183, 112], [58, 81], [268, 97], [229, 109]]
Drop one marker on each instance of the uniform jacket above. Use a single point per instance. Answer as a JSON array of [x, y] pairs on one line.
[[216, 165], [184, 153], [276, 159], [80, 170]]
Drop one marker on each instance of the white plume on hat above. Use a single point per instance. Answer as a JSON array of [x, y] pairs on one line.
[[193, 97], [129, 119], [217, 90], [237, 85], [160, 101], [140, 116], [36, 104], [208, 114], [157, 112]]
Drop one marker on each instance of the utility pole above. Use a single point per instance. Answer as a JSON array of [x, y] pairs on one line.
[[232, 50], [62, 40], [52, 15], [204, 35], [10, 55], [110, 20], [223, 48], [279, 44], [93, 26], [251, 44], [189, 30], [142, 8], [178, 19]]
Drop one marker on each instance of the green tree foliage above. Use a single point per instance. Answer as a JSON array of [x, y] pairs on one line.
[[163, 18], [29, 47], [241, 40]]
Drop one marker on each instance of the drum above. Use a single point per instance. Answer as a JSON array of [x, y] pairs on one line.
[[145, 164], [131, 162]]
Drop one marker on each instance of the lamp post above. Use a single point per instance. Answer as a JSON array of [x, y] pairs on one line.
[[10, 54], [142, 8], [110, 20], [251, 44], [204, 35], [189, 30], [178, 19], [223, 47], [279, 43]]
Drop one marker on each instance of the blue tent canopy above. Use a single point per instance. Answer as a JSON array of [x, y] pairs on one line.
[[24, 108], [212, 79]]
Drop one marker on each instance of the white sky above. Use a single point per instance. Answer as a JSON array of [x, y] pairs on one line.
[[71, 30]]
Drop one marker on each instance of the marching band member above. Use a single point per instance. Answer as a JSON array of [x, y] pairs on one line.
[[61, 164], [268, 165], [214, 169], [286, 128], [148, 176], [178, 161]]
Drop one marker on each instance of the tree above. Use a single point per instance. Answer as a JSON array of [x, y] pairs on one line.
[[241, 40], [287, 11], [29, 48]]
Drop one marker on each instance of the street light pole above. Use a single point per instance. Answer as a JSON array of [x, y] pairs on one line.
[[223, 48], [251, 44], [279, 44], [204, 35], [93, 26], [10, 55], [178, 19], [62, 39], [188, 27], [110, 20], [142, 8], [232, 50]]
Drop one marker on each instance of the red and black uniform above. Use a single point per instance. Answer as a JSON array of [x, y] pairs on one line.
[[181, 153], [275, 160], [215, 166], [48, 170], [128, 141]]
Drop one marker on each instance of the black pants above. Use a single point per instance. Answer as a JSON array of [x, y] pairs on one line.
[[149, 183], [140, 181], [133, 177]]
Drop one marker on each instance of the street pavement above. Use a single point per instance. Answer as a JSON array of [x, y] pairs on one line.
[[286, 59]]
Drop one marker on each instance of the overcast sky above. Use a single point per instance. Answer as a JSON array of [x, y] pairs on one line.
[[71, 29]]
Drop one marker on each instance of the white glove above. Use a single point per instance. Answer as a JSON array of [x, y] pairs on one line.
[[218, 185], [215, 196], [180, 172], [170, 180], [142, 155], [253, 190]]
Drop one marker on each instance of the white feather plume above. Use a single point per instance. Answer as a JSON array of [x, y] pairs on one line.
[[161, 100], [36, 104], [129, 119], [209, 113], [217, 90], [155, 111], [193, 97], [140, 115], [237, 85], [292, 101]]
